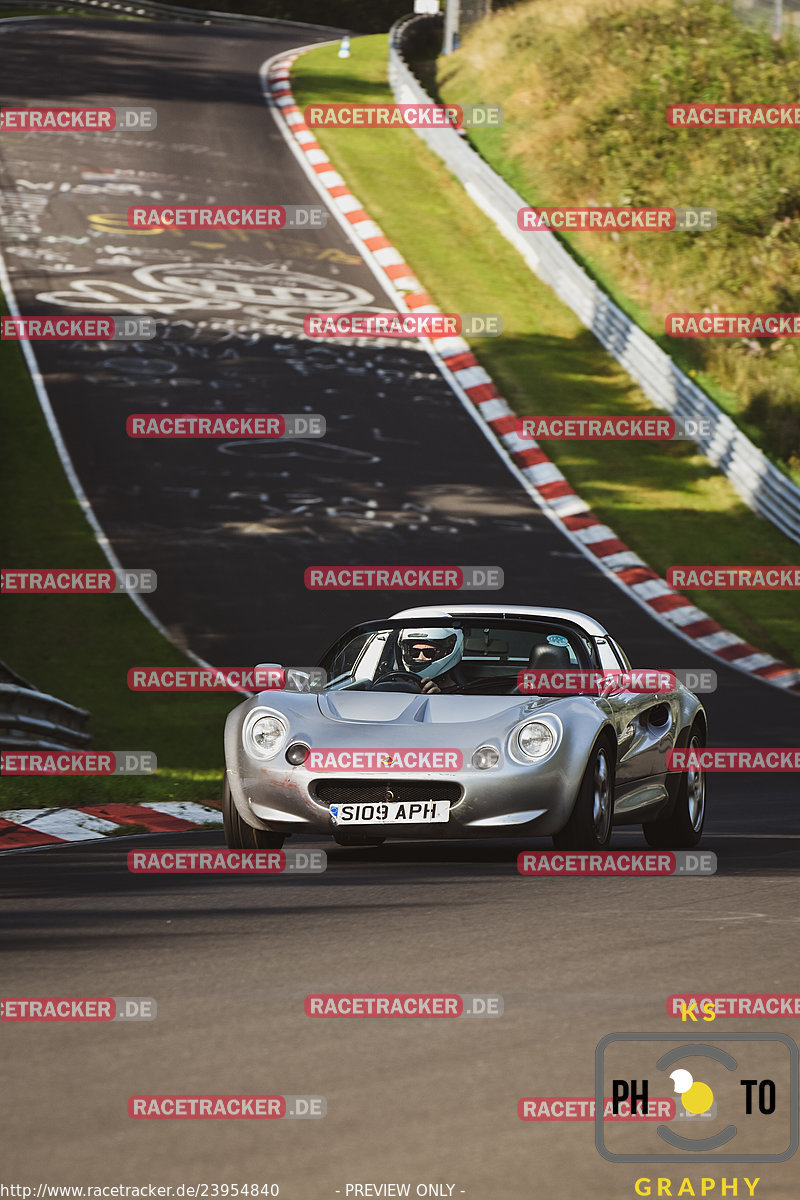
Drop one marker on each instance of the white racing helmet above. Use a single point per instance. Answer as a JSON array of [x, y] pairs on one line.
[[438, 648]]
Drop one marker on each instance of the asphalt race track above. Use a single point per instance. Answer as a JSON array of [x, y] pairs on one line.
[[403, 476], [231, 962]]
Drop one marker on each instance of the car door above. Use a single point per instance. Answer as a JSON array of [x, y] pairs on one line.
[[644, 722]]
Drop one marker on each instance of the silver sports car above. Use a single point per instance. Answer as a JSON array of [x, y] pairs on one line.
[[425, 727]]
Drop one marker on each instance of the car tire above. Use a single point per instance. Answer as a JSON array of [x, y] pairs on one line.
[[590, 823], [238, 834], [683, 827]]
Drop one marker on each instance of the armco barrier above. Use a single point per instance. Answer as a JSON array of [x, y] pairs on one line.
[[38, 721], [33, 720], [762, 486], [148, 10]]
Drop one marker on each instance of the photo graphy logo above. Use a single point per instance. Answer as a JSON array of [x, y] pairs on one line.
[[736, 1096]]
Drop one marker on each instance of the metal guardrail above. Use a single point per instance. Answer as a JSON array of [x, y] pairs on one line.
[[778, 15], [36, 721], [165, 12], [762, 485], [9, 675]]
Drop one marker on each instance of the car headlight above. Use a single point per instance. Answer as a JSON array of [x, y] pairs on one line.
[[297, 753], [536, 739], [265, 735], [485, 757]]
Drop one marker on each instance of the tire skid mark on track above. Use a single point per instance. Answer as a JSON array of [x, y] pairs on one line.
[[540, 477]]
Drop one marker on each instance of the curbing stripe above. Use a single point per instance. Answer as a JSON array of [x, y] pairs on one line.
[[15, 837], [25, 827], [544, 481]]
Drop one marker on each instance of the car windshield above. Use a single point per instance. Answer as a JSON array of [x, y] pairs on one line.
[[459, 655]]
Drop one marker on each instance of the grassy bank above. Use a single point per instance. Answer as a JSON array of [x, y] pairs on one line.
[[666, 501], [80, 648], [585, 91]]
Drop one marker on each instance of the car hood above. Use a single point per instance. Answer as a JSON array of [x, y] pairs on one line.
[[411, 708]]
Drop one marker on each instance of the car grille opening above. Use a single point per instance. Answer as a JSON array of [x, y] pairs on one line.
[[363, 791]]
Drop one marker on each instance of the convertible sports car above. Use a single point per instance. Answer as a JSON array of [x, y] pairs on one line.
[[424, 728]]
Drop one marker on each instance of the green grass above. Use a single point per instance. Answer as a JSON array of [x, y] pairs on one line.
[[584, 95], [665, 500], [74, 791], [80, 648]]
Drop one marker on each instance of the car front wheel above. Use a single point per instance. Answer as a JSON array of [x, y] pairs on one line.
[[589, 826], [238, 834]]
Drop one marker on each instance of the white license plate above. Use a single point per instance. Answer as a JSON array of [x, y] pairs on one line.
[[417, 812]]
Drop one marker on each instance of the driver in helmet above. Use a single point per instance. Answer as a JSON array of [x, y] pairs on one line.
[[433, 653]]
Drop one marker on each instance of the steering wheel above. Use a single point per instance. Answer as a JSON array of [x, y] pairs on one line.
[[398, 677]]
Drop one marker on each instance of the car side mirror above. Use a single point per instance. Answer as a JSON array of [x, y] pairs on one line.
[[291, 679]]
